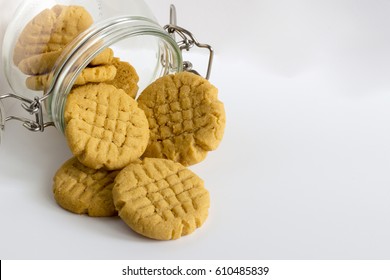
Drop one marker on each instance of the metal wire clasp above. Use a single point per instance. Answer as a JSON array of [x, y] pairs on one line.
[[33, 107], [187, 41]]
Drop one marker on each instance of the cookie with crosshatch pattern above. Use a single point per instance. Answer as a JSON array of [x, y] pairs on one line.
[[83, 190], [104, 127], [45, 36], [160, 199], [186, 118], [97, 74], [126, 77]]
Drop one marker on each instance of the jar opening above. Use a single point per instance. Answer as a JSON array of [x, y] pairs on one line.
[[137, 40], [47, 47]]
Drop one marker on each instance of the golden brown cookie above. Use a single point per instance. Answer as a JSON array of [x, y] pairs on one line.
[[51, 30], [126, 77], [98, 74], [104, 126], [43, 63], [105, 57], [34, 37], [40, 63], [84, 190], [71, 21], [160, 199], [104, 73], [186, 119]]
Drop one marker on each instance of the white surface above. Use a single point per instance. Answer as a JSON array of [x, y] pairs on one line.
[[303, 169]]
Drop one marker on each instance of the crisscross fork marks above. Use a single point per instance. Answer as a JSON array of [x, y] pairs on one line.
[[90, 182], [186, 118], [105, 118], [163, 188], [83, 190], [157, 197], [183, 110], [105, 127]]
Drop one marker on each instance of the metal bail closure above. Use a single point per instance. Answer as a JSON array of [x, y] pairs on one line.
[[187, 41], [33, 107], [2, 120]]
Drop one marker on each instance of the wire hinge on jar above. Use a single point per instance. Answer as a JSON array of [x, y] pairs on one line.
[[187, 41], [33, 107]]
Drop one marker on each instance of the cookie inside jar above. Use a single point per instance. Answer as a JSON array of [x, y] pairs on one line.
[[51, 47]]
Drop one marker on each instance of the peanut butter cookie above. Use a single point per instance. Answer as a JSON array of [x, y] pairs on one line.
[[185, 116], [126, 77], [160, 199], [97, 74], [50, 31], [104, 126], [84, 190]]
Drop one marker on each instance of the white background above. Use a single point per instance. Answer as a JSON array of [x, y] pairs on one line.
[[303, 169]]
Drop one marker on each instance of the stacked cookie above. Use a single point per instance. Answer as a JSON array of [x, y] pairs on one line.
[[105, 128], [157, 198], [100, 69], [130, 155], [43, 39], [185, 116]]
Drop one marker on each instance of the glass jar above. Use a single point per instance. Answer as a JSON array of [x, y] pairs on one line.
[[128, 27]]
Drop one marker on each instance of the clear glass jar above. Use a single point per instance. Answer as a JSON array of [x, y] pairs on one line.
[[128, 27]]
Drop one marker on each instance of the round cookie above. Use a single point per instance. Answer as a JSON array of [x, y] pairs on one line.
[[104, 126], [38, 30], [126, 77], [186, 119], [43, 63], [39, 64], [160, 199], [34, 37], [51, 30], [105, 57], [71, 21], [97, 74], [84, 190]]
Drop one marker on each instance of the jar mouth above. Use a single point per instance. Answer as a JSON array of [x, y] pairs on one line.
[[113, 32]]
